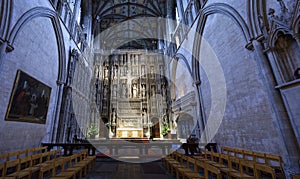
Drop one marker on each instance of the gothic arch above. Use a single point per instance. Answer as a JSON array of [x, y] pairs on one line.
[[185, 125], [132, 4], [217, 8], [273, 37], [5, 20], [227, 11], [257, 17], [296, 25], [48, 13], [102, 10], [178, 57]]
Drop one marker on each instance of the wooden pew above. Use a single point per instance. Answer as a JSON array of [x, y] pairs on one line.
[[73, 165], [209, 169], [13, 155], [183, 167], [275, 162], [294, 176], [248, 156], [261, 170], [2, 169], [65, 174], [189, 172], [240, 174], [173, 159], [173, 166], [13, 166]]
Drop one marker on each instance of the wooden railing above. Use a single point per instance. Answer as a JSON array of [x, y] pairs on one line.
[[68, 148]]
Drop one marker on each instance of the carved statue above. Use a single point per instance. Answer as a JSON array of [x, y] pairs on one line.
[[175, 116], [115, 72], [114, 116], [144, 116], [143, 90], [134, 91], [153, 90], [106, 73], [143, 70]]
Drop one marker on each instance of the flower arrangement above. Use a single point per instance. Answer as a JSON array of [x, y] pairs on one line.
[[165, 130], [93, 130]]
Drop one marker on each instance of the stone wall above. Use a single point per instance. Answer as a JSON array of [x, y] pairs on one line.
[[39, 61], [256, 116], [42, 45]]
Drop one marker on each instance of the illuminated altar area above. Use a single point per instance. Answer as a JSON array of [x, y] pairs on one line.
[[134, 89]]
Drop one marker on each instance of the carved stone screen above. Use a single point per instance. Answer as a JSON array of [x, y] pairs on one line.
[[134, 92]]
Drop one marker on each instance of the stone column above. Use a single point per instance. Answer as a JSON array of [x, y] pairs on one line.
[[2, 52], [170, 15], [281, 118], [59, 94], [202, 122], [75, 16]]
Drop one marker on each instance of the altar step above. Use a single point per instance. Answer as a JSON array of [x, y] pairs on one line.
[[136, 140]]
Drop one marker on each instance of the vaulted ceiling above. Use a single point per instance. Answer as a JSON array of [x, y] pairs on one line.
[[108, 13]]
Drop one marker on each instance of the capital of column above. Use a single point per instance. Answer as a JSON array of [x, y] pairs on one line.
[[297, 36], [197, 83]]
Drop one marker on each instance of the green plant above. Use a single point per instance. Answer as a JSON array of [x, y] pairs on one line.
[[93, 130], [165, 130]]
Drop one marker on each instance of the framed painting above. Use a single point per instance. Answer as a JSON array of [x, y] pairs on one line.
[[29, 100]]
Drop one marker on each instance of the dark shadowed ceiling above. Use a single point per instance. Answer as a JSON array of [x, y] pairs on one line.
[[108, 13]]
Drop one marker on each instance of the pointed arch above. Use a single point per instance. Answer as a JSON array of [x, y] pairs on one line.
[[48, 13], [180, 56], [296, 25], [5, 20], [217, 8]]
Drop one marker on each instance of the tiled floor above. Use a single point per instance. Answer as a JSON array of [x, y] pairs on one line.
[[114, 169]]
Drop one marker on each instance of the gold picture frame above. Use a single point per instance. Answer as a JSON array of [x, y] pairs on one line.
[[29, 100]]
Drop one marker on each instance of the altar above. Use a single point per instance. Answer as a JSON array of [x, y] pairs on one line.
[[135, 94], [129, 133]]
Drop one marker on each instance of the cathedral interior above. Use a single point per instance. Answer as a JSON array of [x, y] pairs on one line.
[[142, 78]]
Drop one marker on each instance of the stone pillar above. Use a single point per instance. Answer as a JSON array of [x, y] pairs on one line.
[[2, 52], [171, 15], [75, 16], [59, 94], [280, 117], [87, 20], [202, 121]]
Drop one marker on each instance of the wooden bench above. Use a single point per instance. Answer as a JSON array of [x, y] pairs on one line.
[[187, 171], [12, 169], [294, 176], [262, 170]]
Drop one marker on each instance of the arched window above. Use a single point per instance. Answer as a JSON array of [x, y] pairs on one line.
[[185, 126], [288, 57]]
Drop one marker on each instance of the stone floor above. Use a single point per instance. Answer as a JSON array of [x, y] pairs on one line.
[[107, 168]]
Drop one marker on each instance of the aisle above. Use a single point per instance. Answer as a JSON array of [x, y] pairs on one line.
[[112, 169]]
